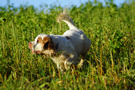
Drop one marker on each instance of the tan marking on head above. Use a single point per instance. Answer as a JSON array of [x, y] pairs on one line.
[[39, 40], [47, 41], [47, 45]]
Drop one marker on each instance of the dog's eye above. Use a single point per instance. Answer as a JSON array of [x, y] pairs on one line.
[[46, 45], [37, 41]]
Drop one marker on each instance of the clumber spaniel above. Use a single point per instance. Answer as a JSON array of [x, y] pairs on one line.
[[65, 50]]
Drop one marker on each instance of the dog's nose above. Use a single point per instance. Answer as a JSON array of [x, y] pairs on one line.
[[30, 45]]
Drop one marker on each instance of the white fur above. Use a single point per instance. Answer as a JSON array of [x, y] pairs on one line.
[[38, 47]]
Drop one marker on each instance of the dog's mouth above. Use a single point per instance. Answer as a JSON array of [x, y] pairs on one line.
[[37, 52], [32, 50]]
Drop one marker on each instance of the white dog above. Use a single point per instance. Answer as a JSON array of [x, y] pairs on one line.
[[65, 49]]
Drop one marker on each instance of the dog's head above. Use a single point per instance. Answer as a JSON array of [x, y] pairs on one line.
[[43, 44]]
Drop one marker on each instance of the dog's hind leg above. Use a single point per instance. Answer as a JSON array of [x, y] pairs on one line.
[[73, 59], [80, 64]]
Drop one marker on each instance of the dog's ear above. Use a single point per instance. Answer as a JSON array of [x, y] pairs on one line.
[[48, 44]]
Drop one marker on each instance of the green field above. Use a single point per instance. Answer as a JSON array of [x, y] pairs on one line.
[[109, 64]]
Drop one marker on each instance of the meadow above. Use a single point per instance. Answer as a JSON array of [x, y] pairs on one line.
[[109, 64]]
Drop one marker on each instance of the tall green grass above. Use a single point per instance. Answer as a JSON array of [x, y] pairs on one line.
[[109, 64]]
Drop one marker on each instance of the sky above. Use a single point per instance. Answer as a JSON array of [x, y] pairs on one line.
[[63, 3]]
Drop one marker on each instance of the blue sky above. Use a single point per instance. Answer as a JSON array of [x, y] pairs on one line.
[[63, 3]]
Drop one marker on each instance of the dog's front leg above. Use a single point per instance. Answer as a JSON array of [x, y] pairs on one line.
[[60, 67]]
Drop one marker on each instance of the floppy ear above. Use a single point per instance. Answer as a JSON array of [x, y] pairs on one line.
[[48, 44]]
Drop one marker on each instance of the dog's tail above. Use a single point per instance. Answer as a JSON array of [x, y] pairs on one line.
[[64, 17]]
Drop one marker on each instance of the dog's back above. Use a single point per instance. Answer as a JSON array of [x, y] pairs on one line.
[[79, 39]]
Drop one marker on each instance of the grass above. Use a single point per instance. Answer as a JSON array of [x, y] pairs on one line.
[[110, 62]]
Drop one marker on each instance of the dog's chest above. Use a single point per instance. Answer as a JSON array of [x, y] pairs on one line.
[[59, 59]]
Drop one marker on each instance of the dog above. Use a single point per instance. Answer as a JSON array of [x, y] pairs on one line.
[[65, 50]]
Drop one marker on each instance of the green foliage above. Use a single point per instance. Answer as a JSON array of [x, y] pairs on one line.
[[110, 62]]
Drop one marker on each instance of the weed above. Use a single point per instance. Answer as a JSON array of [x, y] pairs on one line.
[[109, 64]]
